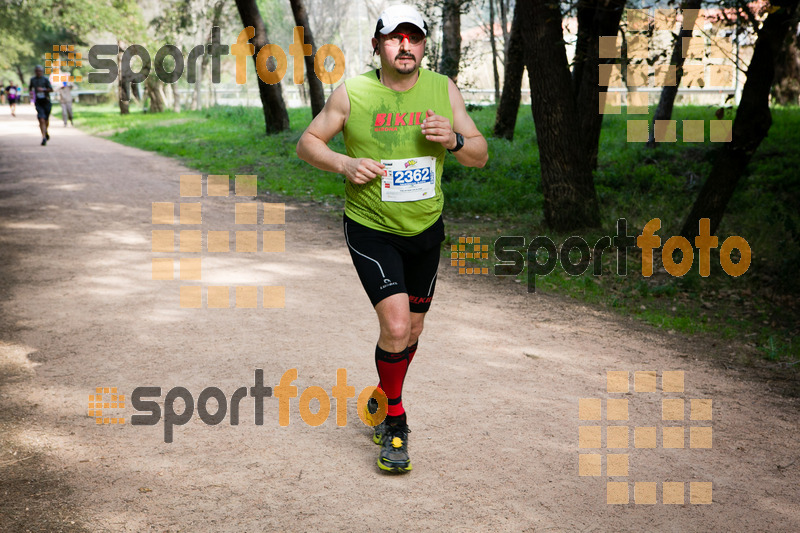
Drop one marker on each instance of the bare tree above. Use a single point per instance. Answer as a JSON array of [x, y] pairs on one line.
[[18, 68], [752, 122], [451, 38], [176, 98], [154, 92], [570, 199], [507, 109], [667, 99], [327, 16], [504, 5], [200, 17], [595, 18], [314, 83], [276, 119], [123, 82], [494, 52], [786, 89]]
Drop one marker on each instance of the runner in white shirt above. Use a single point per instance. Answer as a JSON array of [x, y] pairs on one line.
[[65, 96]]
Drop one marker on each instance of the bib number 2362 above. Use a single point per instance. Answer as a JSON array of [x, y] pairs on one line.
[[409, 180]]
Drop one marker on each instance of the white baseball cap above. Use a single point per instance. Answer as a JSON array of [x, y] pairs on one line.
[[395, 15]]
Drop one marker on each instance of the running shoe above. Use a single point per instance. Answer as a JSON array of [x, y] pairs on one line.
[[44, 142], [47, 136], [371, 410], [394, 449]]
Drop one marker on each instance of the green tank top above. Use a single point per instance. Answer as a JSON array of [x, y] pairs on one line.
[[386, 124]]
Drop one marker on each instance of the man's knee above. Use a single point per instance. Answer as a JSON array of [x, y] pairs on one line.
[[397, 329], [416, 331]]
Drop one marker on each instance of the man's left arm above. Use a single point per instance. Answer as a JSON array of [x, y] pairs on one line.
[[475, 151]]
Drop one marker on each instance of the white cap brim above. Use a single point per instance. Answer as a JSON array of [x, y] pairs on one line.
[[393, 16]]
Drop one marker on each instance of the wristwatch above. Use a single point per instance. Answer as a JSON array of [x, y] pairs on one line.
[[459, 143]]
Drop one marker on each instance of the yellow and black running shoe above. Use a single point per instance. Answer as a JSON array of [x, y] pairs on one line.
[[394, 448]]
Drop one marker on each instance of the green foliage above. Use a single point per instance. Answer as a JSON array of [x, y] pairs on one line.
[[29, 28]]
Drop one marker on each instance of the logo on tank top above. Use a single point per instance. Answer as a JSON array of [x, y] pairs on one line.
[[390, 121]]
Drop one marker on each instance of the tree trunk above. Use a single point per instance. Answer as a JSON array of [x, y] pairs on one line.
[[194, 102], [153, 92], [162, 94], [176, 98], [197, 97], [216, 17], [570, 200], [451, 39], [314, 83], [504, 22], [507, 110], [786, 89], [123, 82], [197, 87], [594, 20], [21, 77], [494, 53], [667, 99], [276, 119], [752, 122]]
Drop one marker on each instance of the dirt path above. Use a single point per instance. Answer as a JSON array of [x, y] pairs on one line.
[[492, 394]]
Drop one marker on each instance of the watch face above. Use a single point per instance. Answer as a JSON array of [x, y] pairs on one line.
[[459, 143]]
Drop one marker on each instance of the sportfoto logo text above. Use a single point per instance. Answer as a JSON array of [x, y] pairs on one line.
[[143, 401], [241, 49], [513, 261]]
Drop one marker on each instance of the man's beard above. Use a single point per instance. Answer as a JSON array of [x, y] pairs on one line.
[[408, 69]]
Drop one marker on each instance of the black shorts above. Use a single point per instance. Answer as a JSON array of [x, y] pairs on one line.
[[390, 264], [43, 107]]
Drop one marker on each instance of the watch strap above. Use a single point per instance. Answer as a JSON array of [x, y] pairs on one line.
[[459, 143]]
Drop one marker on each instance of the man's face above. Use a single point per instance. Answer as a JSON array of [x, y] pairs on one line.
[[399, 52], [38, 72]]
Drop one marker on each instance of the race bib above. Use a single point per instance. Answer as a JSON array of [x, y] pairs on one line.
[[40, 94], [408, 180]]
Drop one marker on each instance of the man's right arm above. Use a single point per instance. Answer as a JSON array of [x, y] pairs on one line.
[[313, 144]]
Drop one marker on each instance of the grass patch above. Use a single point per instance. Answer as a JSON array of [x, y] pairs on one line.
[[633, 182]]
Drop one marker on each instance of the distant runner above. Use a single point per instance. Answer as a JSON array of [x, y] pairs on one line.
[[399, 122], [65, 98], [13, 97], [40, 89]]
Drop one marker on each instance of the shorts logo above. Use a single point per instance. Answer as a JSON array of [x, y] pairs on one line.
[[387, 283], [420, 299]]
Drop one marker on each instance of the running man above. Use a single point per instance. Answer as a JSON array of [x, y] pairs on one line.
[[398, 122], [65, 98], [12, 97], [40, 89]]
